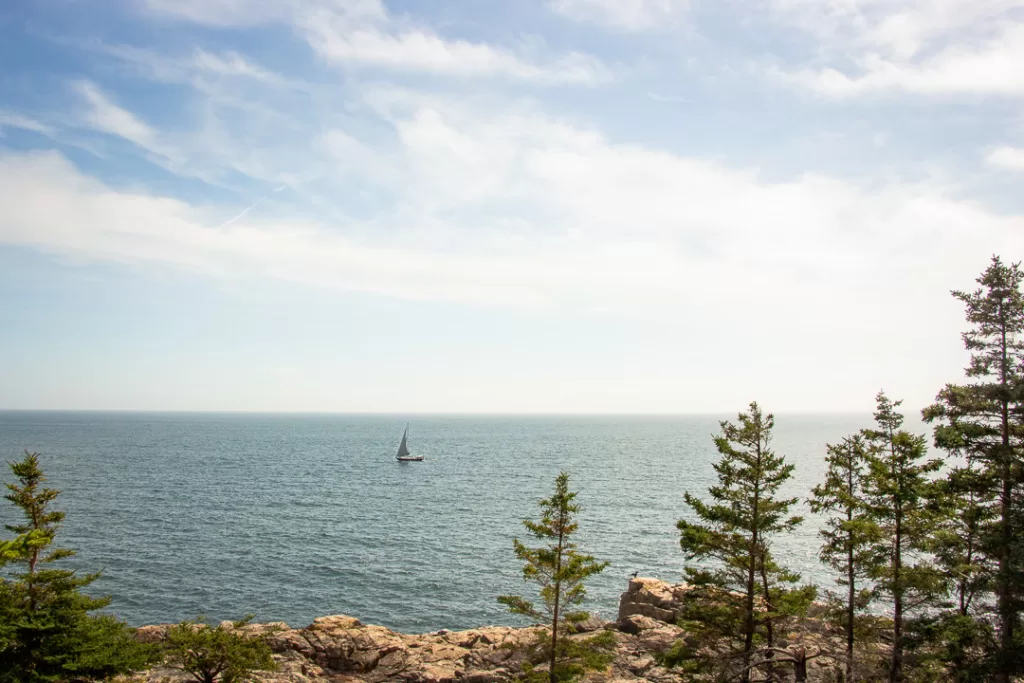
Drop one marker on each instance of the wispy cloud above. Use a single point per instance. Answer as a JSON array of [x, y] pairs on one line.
[[224, 12], [206, 70], [992, 68], [515, 209], [425, 52], [12, 120], [897, 29], [922, 47], [364, 34], [1009, 158], [626, 15], [105, 116]]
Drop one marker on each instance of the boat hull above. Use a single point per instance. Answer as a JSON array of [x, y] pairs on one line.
[[417, 458]]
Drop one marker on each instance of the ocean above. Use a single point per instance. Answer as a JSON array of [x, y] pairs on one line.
[[290, 517]]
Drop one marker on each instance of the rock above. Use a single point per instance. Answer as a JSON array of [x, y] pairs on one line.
[[498, 675], [638, 666], [591, 623], [652, 598], [660, 639], [437, 672], [636, 623], [338, 621], [341, 649], [151, 634]]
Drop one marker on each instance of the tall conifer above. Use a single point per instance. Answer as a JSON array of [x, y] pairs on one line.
[[984, 419], [956, 638], [559, 569], [49, 635], [848, 533], [735, 531], [896, 491]]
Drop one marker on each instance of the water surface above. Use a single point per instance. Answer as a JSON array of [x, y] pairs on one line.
[[296, 516]]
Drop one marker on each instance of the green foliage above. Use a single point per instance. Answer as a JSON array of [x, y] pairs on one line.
[[214, 653], [559, 569], [576, 655], [897, 487], [848, 535], [47, 633], [709, 615], [732, 541], [950, 645], [963, 512], [983, 420]]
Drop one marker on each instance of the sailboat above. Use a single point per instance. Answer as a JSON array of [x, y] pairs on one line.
[[403, 449]]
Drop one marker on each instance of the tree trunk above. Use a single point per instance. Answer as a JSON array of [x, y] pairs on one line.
[[1004, 581], [748, 626], [558, 595], [850, 603], [851, 576], [896, 665], [1004, 584], [799, 664], [769, 630]]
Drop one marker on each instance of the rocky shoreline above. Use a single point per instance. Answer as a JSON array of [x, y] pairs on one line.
[[341, 649]]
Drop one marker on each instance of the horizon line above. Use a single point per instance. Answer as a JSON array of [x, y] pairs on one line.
[[367, 413]]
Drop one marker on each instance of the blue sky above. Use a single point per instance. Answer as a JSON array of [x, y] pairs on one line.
[[510, 206]]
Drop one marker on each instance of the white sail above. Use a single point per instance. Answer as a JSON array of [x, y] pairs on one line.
[[403, 449]]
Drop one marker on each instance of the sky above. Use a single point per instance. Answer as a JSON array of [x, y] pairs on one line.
[[512, 206]]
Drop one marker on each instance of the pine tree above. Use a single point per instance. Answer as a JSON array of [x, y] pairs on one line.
[[559, 568], [984, 419], [955, 639], [963, 503], [736, 530], [50, 635], [215, 654], [896, 491], [848, 535]]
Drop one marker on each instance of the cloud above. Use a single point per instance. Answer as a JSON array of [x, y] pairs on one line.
[[12, 120], [362, 33], [627, 15], [105, 116], [921, 47], [223, 13], [898, 29], [60, 210], [231, 64], [992, 68], [517, 209], [1009, 158], [425, 52], [207, 71]]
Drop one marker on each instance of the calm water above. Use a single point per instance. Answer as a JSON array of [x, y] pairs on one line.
[[293, 517]]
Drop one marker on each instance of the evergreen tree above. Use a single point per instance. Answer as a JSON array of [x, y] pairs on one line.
[[984, 419], [49, 634], [848, 534], [896, 491], [10, 551], [217, 654], [955, 639], [559, 568], [735, 532], [963, 503]]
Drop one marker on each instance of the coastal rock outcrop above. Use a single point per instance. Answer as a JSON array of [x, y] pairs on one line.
[[653, 598], [341, 649]]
